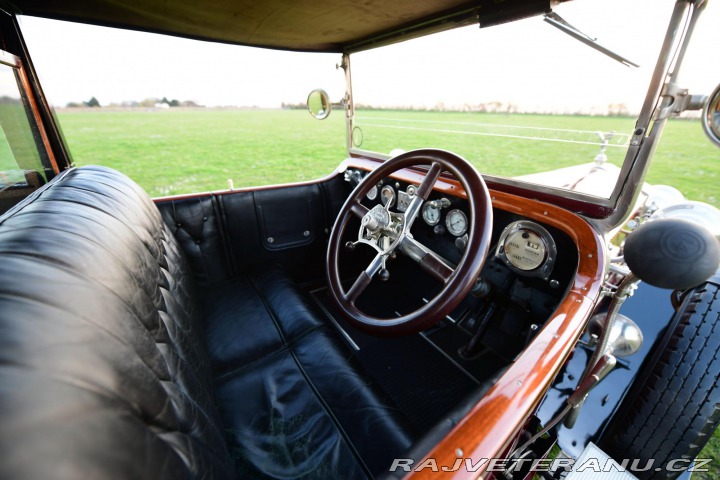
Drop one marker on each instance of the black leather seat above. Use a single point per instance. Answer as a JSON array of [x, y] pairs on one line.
[[290, 395], [112, 365]]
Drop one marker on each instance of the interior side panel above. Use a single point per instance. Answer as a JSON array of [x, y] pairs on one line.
[[233, 234], [288, 218]]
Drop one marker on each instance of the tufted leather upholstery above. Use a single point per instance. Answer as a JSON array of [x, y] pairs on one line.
[[102, 369], [113, 366], [198, 232]]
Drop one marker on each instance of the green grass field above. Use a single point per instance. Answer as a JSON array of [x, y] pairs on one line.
[[169, 152], [177, 151]]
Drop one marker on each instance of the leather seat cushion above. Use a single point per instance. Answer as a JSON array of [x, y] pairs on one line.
[[250, 316], [294, 402]]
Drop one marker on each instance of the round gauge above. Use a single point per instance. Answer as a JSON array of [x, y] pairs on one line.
[[456, 222], [387, 196], [525, 249], [431, 213], [372, 193]]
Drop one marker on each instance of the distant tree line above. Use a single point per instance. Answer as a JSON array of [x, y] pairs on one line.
[[293, 106], [6, 100], [611, 110], [150, 102]]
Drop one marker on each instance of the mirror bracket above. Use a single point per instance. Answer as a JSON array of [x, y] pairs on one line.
[[680, 101]]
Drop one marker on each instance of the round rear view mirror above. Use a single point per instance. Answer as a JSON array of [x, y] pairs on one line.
[[319, 105], [711, 117]]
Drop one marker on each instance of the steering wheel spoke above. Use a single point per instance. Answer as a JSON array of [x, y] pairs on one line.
[[358, 209], [364, 279], [429, 181], [422, 194], [428, 260]]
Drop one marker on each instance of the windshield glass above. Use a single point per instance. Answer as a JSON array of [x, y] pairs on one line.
[[515, 108]]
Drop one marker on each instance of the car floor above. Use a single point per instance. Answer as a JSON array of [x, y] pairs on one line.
[[423, 381]]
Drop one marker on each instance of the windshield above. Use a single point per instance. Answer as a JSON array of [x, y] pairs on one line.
[[515, 108]]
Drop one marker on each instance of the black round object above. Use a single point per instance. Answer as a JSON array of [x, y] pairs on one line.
[[672, 253], [673, 408]]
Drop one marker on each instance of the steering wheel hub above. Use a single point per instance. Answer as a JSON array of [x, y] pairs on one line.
[[376, 219]]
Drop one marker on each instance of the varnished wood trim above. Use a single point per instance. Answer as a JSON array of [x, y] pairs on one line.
[[487, 430], [36, 115]]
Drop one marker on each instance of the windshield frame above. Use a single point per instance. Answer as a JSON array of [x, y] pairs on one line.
[[612, 211]]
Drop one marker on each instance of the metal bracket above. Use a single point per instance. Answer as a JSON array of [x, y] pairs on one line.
[[680, 101]]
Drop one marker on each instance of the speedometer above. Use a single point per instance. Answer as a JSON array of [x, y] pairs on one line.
[[527, 248]]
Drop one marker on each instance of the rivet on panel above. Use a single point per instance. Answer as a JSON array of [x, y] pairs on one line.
[[271, 240]]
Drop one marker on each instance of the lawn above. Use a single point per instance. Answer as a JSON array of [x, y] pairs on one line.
[[170, 152], [179, 151]]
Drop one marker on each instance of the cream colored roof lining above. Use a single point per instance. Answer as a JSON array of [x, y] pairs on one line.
[[318, 25]]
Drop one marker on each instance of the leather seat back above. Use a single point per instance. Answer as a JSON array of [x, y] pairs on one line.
[[102, 370]]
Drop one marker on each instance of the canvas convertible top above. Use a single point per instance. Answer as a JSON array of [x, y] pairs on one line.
[[323, 25]]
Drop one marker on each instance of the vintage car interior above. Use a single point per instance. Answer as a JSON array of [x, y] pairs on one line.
[[400, 308]]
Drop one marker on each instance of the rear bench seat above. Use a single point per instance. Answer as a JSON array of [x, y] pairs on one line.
[[112, 365]]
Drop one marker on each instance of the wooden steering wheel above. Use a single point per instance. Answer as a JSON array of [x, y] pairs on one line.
[[390, 232]]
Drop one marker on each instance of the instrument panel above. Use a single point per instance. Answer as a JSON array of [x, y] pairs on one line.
[[526, 248], [530, 267]]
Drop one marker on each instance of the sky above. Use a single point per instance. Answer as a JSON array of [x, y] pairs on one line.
[[528, 63]]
